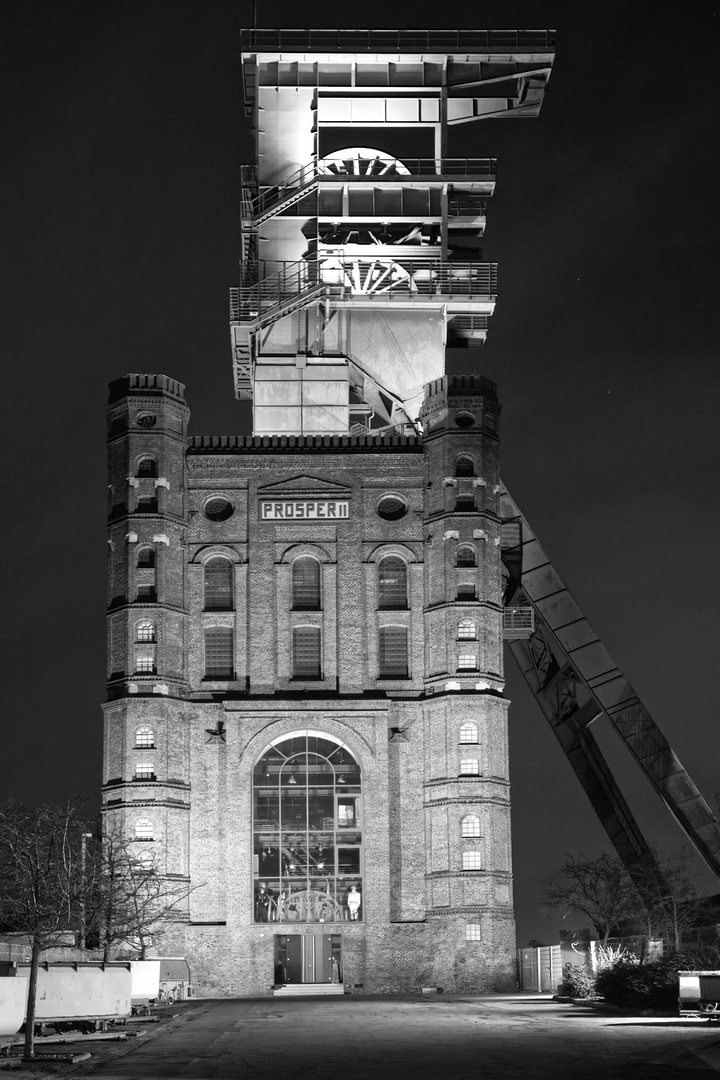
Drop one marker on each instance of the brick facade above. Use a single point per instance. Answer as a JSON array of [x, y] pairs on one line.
[[208, 734]]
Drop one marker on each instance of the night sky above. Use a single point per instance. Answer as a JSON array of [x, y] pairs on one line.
[[120, 204]]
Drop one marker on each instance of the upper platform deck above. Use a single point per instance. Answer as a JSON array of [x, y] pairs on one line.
[[414, 42]]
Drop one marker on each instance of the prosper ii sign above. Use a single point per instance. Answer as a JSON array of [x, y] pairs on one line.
[[304, 509]]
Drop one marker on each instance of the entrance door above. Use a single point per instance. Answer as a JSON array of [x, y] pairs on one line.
[[308, 958]]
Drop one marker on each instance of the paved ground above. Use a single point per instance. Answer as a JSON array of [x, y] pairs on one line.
[[441, 1038]]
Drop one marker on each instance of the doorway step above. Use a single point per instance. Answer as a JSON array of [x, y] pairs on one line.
[[307, 989]]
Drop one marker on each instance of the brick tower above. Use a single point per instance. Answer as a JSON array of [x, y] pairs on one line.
[[305, 722]]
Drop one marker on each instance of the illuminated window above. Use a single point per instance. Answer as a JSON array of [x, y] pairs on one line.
[[465, 556], [467, 658], [307, 832], [219, 585], [306, 652], [469, 767], [219, 653], [145, 665], [470, 826], [464, 466], [145, 631], [473, 931], [392, 584], [144, 829], [468, 733], [471, 860], [467, 630], [306, 584], [144, 770], [392, 652], [144, 738]]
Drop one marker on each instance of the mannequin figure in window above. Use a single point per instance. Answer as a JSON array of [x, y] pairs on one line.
[[353, 902], [262, 902]]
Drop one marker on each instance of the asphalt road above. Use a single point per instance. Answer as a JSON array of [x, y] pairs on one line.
[[503, 1037]]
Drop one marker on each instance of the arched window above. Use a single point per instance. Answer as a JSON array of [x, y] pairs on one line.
[[146, 466], [144, 829], [306, 652], [393, 652], [145, 631], [392, 583], [465, 556], [467, 630], [464, 466], [145, 558], [468, 733], [219, 593], [144, 738], [307, 831], [470, 826], [219, 653], [306, 584]]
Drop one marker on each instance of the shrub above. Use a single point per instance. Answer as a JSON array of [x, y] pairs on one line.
[[577, 981], [632, 984]]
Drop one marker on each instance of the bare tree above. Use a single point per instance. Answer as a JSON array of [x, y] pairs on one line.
[[42, 881], [672, 905], [131, 902], [600, 889]]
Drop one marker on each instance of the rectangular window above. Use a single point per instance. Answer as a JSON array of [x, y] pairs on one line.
[[467, 658], [393, 652], [145, 665], [146, 594], [306, 662], [473, 931], [466, 592], [219, 650], [144, 770], [465, 504], [472, 860], [469, 767]]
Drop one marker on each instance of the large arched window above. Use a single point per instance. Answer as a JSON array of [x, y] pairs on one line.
[[219, 593], [306, 584], [464, 466], [392, 583], [307, 830]]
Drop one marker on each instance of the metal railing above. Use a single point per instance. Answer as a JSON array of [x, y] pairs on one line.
[[359, 169], [409, 41], [378, 279]]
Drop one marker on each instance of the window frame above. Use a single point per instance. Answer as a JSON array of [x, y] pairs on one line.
[[468, 829], [465, 728], [302, 671], [386, 670], [306, 589], [389, 598], [472, 769], [214, 672], [138, 745], [216, 595], [472, 856], [141, 773]]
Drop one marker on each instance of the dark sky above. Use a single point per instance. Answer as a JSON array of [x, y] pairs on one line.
[[120, 193]]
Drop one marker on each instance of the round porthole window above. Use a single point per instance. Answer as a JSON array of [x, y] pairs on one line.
[[218, 509], [465, 420], [392, 507]]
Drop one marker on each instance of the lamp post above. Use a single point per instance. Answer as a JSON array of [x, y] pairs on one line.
[[84, 837]]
